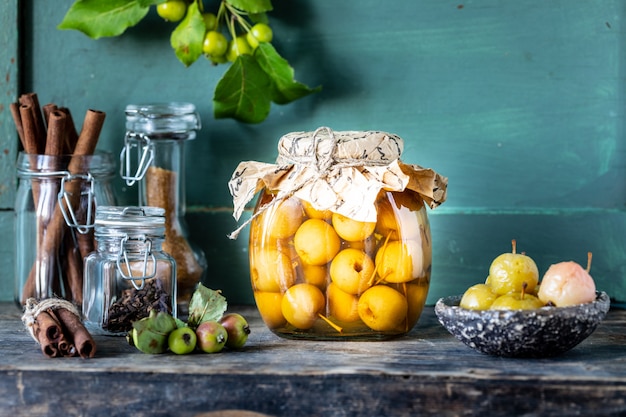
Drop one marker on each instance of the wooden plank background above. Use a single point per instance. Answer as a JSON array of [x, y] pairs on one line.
[[520, 104]]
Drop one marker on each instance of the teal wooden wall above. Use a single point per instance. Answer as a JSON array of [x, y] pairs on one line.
[[520, 104]]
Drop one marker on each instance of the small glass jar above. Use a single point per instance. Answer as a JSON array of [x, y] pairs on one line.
[[55, 208], [130, 274], [154, 156], [340, 244]]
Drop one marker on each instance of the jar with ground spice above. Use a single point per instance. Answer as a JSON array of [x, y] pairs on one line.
[[154, 157], [129, 275]]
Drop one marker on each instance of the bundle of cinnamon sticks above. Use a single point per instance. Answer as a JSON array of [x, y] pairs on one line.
[[50, 131], [56, 326]]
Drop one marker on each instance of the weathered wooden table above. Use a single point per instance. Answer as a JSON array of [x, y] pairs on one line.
[[425, 373]]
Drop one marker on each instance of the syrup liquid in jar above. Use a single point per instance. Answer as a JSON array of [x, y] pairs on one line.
[[319, 274]]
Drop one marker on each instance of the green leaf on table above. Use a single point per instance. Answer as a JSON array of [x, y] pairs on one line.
[[285, 88], [243, 92], [252, 6], [103, 18], [205, 305], [188, 36]]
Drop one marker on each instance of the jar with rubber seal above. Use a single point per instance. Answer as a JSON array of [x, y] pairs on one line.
[[129, 275], [154, 157], [340, 245]]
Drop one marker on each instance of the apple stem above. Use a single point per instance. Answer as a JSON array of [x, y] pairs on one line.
[[524, 285], [514, 245], [589, 261], [330, 323]]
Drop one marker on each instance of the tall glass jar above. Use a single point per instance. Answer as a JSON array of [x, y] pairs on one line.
[[130, 274], [340, 243], [154, 156], [54, 214]]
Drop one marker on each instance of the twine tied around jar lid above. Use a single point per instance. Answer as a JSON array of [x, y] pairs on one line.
[[338, 171]]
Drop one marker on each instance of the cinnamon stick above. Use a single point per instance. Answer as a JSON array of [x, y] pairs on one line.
[[28, 290], [77, 333], [48, 331], [31, 147], [90, 132], [50, 327], [17, 119], [31, 140], [55, 137], [85, 241], [28, 138], [31, 100], [71, 136], [73, 268], [49, 349], [47, 109], [65, 347]]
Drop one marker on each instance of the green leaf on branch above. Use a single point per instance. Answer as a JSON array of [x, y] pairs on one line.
[[243, 92], [104, 18], [259, 18], [205, 305], [285, 88], [188, 36], [252, 6], [148, 3]]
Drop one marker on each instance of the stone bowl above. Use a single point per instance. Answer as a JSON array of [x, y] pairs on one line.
[[539, 333]]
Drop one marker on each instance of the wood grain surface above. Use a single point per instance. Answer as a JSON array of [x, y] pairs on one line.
[[426, 373]]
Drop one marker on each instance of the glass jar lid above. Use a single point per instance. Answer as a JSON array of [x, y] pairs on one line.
[[123, 221], [163, 119]]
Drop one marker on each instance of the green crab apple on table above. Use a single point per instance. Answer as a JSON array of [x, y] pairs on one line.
[[208, 328]]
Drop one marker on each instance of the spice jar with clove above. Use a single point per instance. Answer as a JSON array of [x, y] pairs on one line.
[[130, 274], [154, 157]]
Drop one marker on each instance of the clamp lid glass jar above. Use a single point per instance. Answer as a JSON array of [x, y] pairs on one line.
[[154, 156], [340, 244], [55, 207], [130, 274]]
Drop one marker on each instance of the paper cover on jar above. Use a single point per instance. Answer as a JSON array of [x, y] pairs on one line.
[[338, 171]]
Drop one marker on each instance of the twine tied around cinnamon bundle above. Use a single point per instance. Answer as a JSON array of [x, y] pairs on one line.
[[338, 171]]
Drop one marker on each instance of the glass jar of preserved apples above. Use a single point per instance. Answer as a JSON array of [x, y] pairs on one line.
[[340, 244]]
